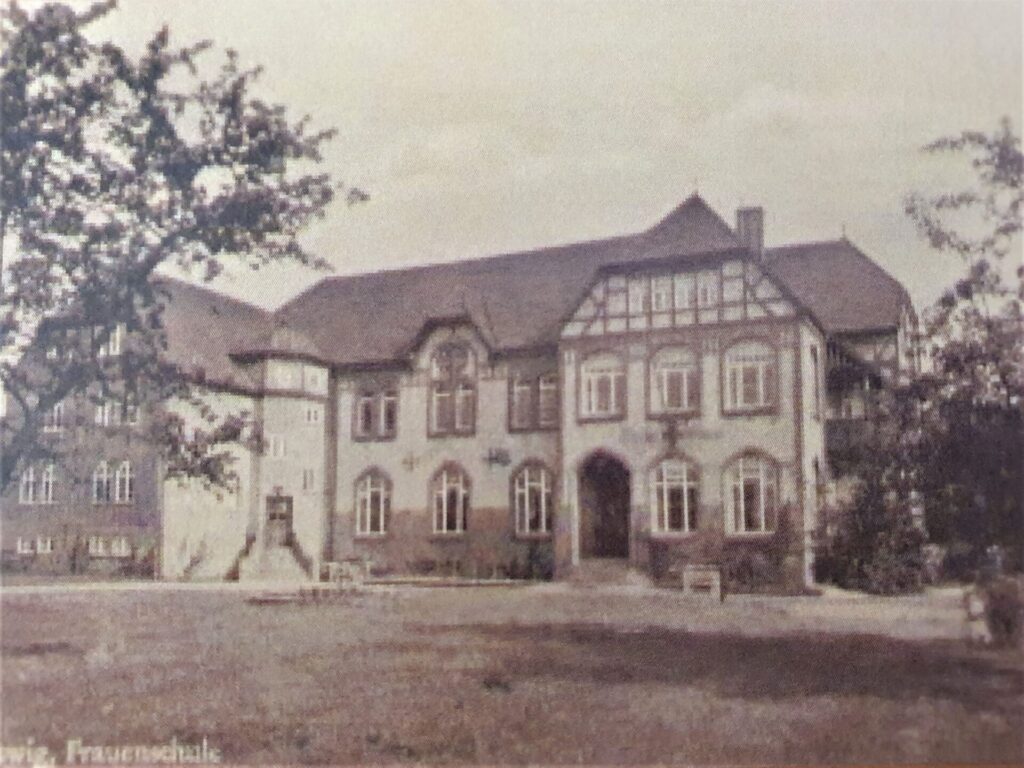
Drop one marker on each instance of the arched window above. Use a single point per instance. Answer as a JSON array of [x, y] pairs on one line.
[[750, 376], [602, 386], [373, 503], [675, 486], [124, 486], [48, 487], [752, 493], [450, 496], [101, 484], [533, 493], [453, 390], [675, 381], [27, 486]]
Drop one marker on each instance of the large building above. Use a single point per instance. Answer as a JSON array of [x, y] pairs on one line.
[[622, 398]]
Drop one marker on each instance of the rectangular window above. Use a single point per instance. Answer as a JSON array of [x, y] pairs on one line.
[[53, 421], [112, 346], [816, 374], [312, 414], [547, 401], [465, 404], [24, 546], [97, 546], [105, 414], [750, 377], [522, 403], [278, 446], [661, 294], [27, 486], [603, 391], [44, 545], [120, 547], [707, 289], [364, 415], [308, 480], [372, 505], [388, 414]]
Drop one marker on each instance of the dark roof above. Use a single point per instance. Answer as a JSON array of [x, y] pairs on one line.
[[204, 327], [517, 300], [845, 290]]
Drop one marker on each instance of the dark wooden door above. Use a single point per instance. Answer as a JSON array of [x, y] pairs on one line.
[[279, 520]]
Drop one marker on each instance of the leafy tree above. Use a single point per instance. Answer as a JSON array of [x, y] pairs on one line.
[[973, 472], [877, 544], [114, 166]]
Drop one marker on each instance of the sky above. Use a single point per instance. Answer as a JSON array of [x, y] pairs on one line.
[[487, 127]]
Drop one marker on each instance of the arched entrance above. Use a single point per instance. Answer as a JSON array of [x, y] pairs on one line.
[[604, 507]]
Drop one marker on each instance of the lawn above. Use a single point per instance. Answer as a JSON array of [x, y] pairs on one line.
[[551, 674]]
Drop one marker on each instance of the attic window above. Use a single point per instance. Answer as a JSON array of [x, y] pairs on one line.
[[453, 391]]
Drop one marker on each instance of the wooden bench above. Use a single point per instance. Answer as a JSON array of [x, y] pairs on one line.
[[704, 581]]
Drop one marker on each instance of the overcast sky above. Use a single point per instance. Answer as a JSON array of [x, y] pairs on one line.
[[480, 128]]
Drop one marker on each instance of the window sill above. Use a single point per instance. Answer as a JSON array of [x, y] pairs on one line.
[[533, 428], [375, 438], [445, 435], [544, 536], [453, 536], [672, 535], [600, 419], [766, 410], [371, 537], [673, 415]]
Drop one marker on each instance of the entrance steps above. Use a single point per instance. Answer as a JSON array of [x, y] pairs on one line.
[[271, 563], [601, 571]]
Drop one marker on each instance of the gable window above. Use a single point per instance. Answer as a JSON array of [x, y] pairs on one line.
[[750, 377], [101, 484], [752, 492], [27, 486], [53, 420], [676, 491], [533, 401], [675, 381], [124, 483], [373, 504], [661, 294], [376, 414], [533, 491], [450, 494], [602, 387], [453, 390]]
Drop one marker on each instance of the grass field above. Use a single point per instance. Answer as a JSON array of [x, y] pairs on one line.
[[548, 674]]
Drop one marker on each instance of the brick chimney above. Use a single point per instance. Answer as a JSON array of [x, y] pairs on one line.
[[750, 229]]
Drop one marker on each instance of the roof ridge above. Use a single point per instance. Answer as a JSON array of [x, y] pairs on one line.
[[857, 251], [213, 292]]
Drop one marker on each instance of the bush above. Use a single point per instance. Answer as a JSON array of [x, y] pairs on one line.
[[1004, 610], [540, 563], [876, 546], [747, 571], [961, 562]]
